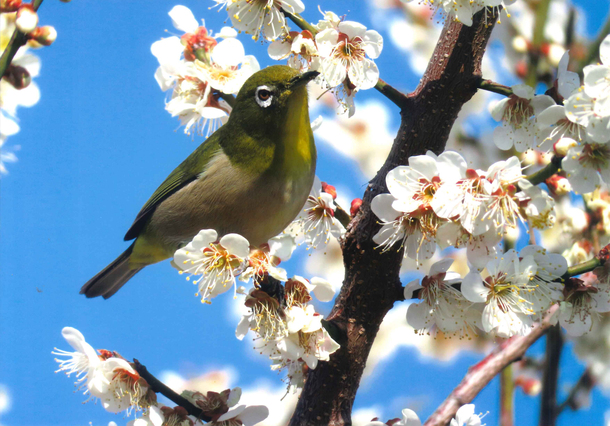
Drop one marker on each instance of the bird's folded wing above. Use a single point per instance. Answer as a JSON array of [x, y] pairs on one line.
[[184, 174]]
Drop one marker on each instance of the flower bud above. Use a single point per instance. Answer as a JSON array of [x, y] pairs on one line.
[[7, 6], [26, 19], [520, 44], [562, 146], [329, 189], [355, 207], [558, 185], [18, 77], [44, 36]]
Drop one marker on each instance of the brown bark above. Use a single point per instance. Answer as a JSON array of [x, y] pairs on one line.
[[372, 283]]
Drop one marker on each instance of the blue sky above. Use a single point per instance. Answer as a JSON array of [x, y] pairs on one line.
[[92, 150]]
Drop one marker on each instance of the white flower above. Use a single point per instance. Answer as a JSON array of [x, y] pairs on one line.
[[183, 19], [585, 164], [567, 81], [84, 362], [555, 125], [343, 52], [243, 415], [540, 207], [597, 80], [109, 378], [442, 306], [465, 416], [300, 49], [262, 17], [517, 114], [317, 218], [217, 262], [507, 312], [153, 417], [582, 109], [480, 249], [544, 290], [583, 304]]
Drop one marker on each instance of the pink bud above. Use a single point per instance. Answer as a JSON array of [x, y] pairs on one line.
[[44, 35], [562, 146], [7, 6], [329, 189], [26, 19], [558, 185], [356, 203]]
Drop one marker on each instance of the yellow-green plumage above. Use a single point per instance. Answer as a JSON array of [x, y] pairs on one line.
[[251, 177]]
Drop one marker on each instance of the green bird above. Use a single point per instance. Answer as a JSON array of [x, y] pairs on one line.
[[251, 177]]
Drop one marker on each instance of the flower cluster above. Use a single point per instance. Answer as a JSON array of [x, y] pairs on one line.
[[287, 327], [463, 10], [518, 288], [317, 221], [587, 162], [198, 69], [108, 376], [342, 51], [440, 200], [464, 416]]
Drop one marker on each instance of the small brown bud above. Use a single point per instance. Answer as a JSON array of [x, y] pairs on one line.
[[18, 77]]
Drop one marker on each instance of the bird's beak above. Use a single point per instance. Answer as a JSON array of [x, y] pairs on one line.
[[303, 79]]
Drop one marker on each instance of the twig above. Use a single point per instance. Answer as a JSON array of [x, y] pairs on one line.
[[301, 23], [396, 96], [159, 387], [586, 382], [17, 40], [583, 267], [549, 170], [492, 86], [482, 373], [507, 392], [550, 377]]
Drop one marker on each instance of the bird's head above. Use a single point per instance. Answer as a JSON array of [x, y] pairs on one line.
[[270, 95]]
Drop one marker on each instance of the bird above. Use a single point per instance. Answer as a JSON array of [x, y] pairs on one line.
[[252, 177]]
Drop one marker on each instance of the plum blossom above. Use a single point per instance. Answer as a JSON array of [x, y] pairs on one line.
[[442, 306], [597, 80], [406, 214], [106, 376], [265, 259], [585, 300], [540, 209], [317, 218], [343, 51], [300, 48], [518, 116], [507, 312], [261, 17], [582, 109], [218, 262], [587, 165], [197, 67], [480, 249]]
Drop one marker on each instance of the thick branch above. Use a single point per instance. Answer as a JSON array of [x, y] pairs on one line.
[[481, 374], [17, 40], [372, 279]]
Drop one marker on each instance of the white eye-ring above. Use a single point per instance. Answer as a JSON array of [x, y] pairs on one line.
[[264, 96]]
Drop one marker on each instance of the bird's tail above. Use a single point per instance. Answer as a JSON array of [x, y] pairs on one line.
[[111, 278]]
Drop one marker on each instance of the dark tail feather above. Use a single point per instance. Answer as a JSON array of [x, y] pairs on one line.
[[111, 278]]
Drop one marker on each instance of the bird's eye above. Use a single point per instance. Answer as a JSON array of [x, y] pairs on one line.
[[264, 96]]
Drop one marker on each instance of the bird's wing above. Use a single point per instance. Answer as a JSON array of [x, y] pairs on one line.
[[184, 174]]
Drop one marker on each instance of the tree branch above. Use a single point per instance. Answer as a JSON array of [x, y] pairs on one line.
[[546, 172], [585, 383], [542, 11], [550, 377], [507, 397], [482, 373], [492, 86], [159, 387], [17, 40], [372, 276]]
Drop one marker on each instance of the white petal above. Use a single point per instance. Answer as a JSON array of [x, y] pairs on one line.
[[409, 418], [440, 266], [382, 207], [418, 315], [228, 53], [253, 414], [352, 29], [373, 43], [183, 19], [323, 290], [473, 288], [236, 245]]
